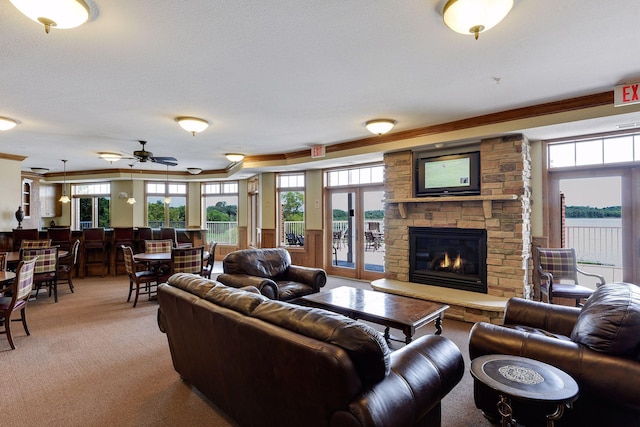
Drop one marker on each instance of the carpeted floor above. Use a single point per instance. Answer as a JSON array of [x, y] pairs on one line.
[[93, 360]]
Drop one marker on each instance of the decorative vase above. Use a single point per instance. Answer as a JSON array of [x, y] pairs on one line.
[[20, 216]]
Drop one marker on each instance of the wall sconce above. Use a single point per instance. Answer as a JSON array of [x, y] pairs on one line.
[[234, 157], [380, 126], [475, 16], [54, 13], [7, 123], [192, 124]]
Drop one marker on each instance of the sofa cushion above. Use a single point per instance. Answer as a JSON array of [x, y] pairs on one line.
[[240, 300], [269, 263], [609, 322], [366, 347], [192, 283]]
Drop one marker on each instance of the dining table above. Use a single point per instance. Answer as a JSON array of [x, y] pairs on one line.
[[6, 276], [13, 257], [159, 257]]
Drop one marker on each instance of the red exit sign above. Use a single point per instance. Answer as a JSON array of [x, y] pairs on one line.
[[626, 94]]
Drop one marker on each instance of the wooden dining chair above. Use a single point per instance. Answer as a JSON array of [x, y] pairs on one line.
[[208, 267], [28, 243], [20, 291], [158, 246], [46, 268], [187, 260], [67, 265], [144, 282]]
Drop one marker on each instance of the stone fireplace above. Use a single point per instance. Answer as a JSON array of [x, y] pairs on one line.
[[501, 211], [451, 257]]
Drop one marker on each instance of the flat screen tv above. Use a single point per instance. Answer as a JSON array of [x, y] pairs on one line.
[[456, 174]]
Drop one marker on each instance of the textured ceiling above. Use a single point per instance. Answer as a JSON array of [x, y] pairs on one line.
[[284, 75]]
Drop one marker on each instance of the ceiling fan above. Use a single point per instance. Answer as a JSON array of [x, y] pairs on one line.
[[144, 156]]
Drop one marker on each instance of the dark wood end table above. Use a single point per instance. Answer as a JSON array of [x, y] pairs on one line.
[[391, 311], [520, 378]]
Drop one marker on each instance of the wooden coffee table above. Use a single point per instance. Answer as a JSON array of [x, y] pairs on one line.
[[391, 311]]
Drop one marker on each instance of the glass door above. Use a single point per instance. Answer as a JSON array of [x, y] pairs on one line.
[[356, 233]]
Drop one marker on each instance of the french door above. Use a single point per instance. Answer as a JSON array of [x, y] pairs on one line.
[[355, 232]]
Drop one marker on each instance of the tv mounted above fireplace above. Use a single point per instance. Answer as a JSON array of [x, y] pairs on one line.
[[456, 174]]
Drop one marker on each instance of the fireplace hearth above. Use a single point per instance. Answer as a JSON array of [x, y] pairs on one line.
[[448, 257]]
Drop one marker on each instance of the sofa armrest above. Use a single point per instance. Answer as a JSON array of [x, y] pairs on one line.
[[422, 373], [557, 319], [314, 277], [599, 374], [267, 287]]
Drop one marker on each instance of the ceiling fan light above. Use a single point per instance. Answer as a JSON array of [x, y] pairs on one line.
[[7, 123], [110, 157], [380, 126], [54, 13], [194, 171], [475, 16], [234, 157], [192, 124]]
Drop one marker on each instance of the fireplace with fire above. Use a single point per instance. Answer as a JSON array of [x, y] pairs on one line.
[[449, 257]]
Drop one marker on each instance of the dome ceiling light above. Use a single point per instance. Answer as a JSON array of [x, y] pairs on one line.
[[380, 126], [475, 16], [234, 157], [194, 171], [7, 123], [192, 124], [110, 157], [54, 13]]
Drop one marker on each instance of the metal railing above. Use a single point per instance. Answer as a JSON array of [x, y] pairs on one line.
[[599, 245], [225, 232]]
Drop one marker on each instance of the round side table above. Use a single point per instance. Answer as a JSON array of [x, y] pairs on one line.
[[520, 378]]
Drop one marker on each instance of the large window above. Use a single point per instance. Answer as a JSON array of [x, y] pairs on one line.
[[291, 209], [220, 211], [91, 205], [166, 204], [355, 176]]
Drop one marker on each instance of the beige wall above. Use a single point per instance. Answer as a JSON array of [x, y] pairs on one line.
[[11, 179], [313, 200]]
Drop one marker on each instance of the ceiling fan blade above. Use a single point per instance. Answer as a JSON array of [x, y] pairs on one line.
[[168, 161]]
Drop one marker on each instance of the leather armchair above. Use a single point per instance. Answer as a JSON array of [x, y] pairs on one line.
[[270, 271], [598, 345]]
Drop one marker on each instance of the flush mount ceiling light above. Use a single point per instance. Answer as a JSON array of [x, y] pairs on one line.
[[7, 123], [475, 16], [192, 124], [39, 170], [64, 198], [54, 13], [234, 157], [110, 157], [194, 171], [380, 126]]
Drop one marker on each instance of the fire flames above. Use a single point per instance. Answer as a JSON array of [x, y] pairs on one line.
[[447, 264]]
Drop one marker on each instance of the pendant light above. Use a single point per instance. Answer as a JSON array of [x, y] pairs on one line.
[[167, 199], [131, 200], [64, 198]]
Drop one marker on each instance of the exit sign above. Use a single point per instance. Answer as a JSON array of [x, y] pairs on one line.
[[627, 94], [317, 151]]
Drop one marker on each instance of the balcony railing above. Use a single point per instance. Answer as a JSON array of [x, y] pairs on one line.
[[598, 245], [224, 232]]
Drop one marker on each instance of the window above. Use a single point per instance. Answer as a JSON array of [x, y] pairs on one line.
[[91, 205], [594, 151], [355, 176], [291, 209], [166, 204], [220, 211]]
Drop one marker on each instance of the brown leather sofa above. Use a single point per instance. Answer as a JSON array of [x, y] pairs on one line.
[[270, 271], [598, 345], [272, 363]]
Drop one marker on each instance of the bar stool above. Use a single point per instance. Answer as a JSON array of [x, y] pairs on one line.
[[144, 233], [95, 249], [61, 237], [122, 236], [20, 234]]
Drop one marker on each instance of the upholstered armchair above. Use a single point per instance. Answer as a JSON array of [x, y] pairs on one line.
[[598, 345], [270, 271]]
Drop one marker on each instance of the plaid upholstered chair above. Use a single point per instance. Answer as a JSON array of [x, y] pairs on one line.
[[145, 281], [158, 246], [20, 292], [46, 269], [44, 243], [187, 260], [559, 275]]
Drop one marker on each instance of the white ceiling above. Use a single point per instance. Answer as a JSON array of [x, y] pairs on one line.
[[284, 75]]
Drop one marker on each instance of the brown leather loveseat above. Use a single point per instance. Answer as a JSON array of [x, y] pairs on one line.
[[270, 271], [272, 363], [598, 345]]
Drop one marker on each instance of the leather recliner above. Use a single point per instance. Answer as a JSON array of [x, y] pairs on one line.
[[270, 271], [598, 345]]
